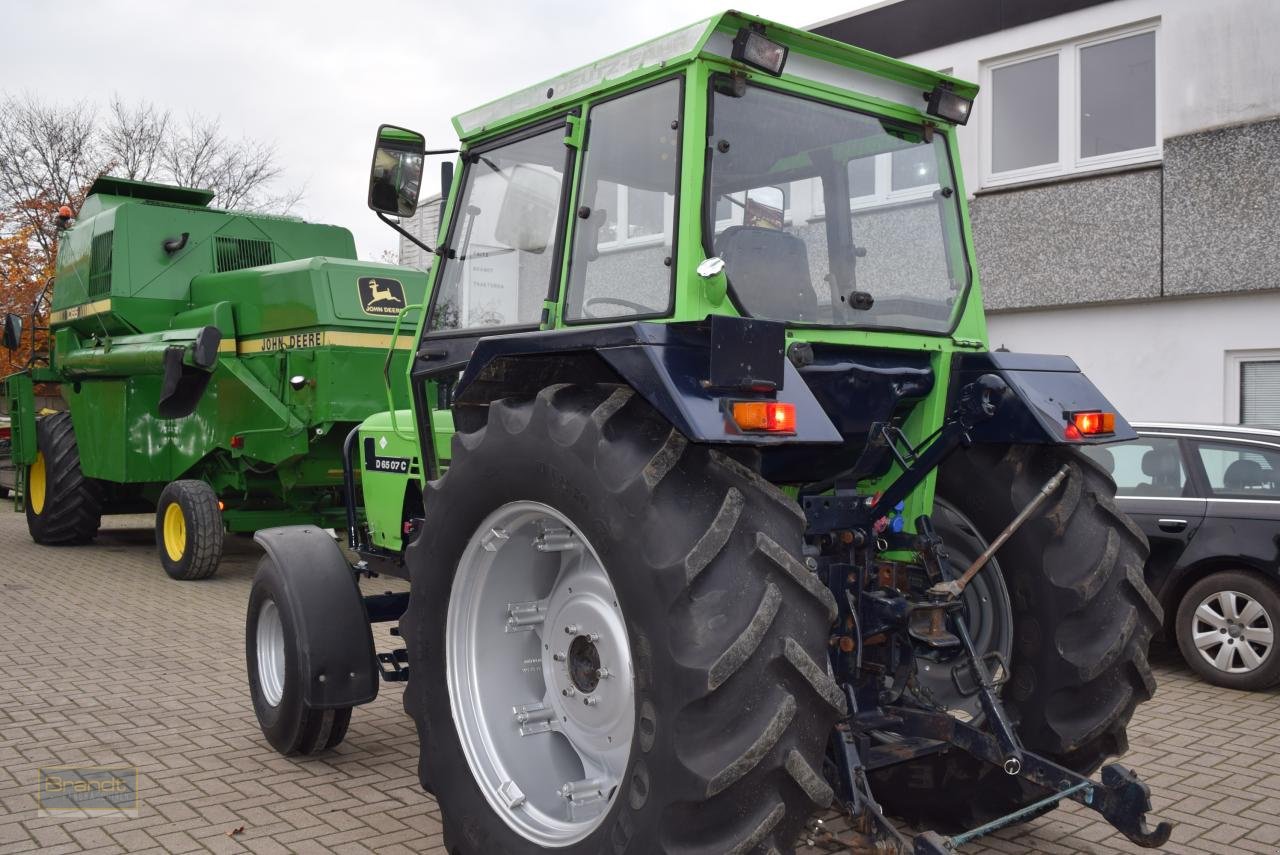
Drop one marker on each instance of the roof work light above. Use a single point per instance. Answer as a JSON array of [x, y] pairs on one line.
[[750, 46], [946, 104]]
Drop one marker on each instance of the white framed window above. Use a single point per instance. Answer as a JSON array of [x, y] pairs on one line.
[[1074, 107], [1252, 388], [882, 180], [637, 218]]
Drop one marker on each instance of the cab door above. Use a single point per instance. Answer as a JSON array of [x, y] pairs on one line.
[[1155, 488]]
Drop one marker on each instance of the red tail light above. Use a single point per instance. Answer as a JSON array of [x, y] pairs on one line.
[[766, 416], [1092, 423]]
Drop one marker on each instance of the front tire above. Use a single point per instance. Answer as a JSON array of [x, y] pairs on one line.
[[730, 701], [63, 506], [1227, 626], [275, 678], [189, 530]]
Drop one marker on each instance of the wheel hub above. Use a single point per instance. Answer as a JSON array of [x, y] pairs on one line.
[[584, 664], [1232, 632], [540, 673]]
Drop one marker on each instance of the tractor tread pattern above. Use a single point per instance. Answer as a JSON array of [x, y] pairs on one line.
[[73, 503], [741, 712], [1083, 620]]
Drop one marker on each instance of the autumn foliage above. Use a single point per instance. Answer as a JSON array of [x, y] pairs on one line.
[[25, 268]]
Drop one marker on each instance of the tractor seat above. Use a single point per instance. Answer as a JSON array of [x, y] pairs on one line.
[[769, 272], [1242, 474], [1164, 469]]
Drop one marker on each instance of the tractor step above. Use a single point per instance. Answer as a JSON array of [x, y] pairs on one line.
[[394, 665]]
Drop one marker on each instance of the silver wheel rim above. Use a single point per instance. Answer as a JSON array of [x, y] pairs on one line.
[[540, 674], [270, 653], [1232, 632]]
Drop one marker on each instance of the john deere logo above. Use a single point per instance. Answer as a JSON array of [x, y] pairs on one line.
[[381, 296]]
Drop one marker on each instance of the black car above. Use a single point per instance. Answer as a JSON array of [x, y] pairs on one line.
[[1208, 499]]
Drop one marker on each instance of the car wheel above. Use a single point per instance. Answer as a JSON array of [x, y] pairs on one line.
[[1226, 629]]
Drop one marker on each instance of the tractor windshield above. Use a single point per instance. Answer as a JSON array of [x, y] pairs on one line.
[[827, 216]]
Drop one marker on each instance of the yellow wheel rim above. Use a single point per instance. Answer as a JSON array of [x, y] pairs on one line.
[[175, 531], [36, 484]]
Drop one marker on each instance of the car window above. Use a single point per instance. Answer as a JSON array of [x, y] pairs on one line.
[[1240, 471], [1147, 466]]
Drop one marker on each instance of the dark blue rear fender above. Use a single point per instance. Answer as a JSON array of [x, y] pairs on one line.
[[669, 365], [1043, 391]]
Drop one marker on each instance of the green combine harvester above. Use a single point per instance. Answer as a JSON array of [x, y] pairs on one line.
[[211, 363]]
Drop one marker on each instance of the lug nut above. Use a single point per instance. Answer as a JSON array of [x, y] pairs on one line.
[[559, 657], [591, 701], [569, 692], [571, 629], [604, 673]]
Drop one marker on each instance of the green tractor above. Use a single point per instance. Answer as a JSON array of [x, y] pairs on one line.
[[715, 507], [211, 363]]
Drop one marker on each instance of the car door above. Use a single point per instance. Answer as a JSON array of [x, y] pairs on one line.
[[1241, 479], [1155, 488]]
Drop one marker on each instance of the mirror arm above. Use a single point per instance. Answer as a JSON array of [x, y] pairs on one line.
[[404, 232]]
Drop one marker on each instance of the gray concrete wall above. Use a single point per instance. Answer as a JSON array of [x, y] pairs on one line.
[[1081, 241], [1222, 210], [1204, 222]]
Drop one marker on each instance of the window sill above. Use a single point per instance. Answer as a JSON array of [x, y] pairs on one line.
[[1067, 177]]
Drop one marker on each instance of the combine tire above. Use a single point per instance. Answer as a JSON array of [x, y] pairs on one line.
[[1082, 619], [275, 681], [614, 644], [189, 530], [63, 506]]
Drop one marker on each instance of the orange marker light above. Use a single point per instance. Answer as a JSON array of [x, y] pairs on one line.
[[1093, 423], [768, 416]]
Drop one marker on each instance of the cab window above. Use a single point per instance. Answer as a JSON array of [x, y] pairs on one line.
[[497, 271], [624, 225]]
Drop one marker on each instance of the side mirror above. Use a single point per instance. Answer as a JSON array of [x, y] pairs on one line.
[[395, 178], [765, 208], [12, 332]]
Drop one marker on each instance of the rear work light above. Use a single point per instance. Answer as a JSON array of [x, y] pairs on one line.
[[764, 416], [750, 46], [1091, 423], [946, 104]]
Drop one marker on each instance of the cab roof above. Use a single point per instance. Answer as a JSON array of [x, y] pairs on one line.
[[681, 47]]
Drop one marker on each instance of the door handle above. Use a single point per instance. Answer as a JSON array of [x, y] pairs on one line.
[[1172, 525]]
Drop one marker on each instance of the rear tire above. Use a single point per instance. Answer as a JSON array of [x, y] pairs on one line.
[[726, 626], [1083, 620], [1252, 627], [189, 530], [271, 653], [63, 506]]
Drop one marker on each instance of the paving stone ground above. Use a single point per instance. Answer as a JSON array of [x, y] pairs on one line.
[[105, 661]]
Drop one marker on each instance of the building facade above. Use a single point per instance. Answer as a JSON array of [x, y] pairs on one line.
[[1122, 163], [1123, 168]]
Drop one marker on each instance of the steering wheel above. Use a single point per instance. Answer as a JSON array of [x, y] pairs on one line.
[[636, 308]]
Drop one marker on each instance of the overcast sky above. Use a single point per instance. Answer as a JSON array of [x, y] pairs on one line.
[[316, 77]]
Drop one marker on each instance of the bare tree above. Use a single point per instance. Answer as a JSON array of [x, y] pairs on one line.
[[48, 156], [134, 137]]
